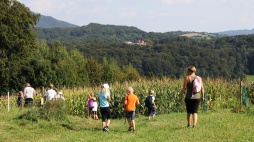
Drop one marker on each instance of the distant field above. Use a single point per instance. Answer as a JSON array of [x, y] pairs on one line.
[[250, 78]]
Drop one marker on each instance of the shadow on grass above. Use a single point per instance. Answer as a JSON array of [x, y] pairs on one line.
[[67, 127]]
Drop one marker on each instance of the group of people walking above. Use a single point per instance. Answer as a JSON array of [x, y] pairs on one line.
[[27, 96], [194, 95], [130, 102], [192, 101]]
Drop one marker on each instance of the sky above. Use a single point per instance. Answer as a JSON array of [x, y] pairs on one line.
[[152, 15]]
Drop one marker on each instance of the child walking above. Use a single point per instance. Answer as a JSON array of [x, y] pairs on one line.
[[152, 110], [130, 102], [90, 104], [94, 109], [20, 99]]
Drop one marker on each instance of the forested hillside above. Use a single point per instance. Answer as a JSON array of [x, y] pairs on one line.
[[237, 32], [95, 54], [50, 22], [165, 54], [25, 59]]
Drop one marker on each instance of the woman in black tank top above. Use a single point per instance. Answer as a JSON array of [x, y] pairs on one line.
[[192, 100]]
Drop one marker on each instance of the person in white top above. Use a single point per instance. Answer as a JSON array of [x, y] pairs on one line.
[[51, 93], [94, 109], [29, 93], [59, 96]]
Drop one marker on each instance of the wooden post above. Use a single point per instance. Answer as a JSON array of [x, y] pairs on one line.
[[8, 95], [241, 92]]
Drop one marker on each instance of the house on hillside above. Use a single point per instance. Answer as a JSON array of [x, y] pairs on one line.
[[139, 42], [195, 35], [129, 42]]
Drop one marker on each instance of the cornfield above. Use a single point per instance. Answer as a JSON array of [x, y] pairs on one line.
[[219, 94]]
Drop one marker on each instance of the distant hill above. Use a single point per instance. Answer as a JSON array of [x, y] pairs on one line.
[[237, 32], [50, 22], [106, 34]]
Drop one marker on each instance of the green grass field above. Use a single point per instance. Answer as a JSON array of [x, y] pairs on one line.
[[213, 126], [250, 78]]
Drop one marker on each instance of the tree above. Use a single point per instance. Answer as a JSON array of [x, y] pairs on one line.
[[94, 72], [17, 41], [108, 74]]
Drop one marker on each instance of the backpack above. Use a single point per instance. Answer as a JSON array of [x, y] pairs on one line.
[[197, 84], [148, 102], [90, 103]]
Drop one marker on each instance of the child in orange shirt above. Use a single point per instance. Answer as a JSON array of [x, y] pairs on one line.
[[130, 104]]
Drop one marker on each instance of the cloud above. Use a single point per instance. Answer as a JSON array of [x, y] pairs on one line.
[[48, 6], [128, 15], [170, 2], [245, 18], [96, 10]]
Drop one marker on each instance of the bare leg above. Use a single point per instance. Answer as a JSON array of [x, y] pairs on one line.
[[108, 122], [129, 122], [103, 124], [95, 115], [195, 119], [133, 125], [188, 119]]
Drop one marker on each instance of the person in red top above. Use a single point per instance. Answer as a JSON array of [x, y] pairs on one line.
[[131, 101]]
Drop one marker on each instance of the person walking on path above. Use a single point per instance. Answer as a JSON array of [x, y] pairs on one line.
[[192, 98], [29, 93], [152, 108], [94, 109], [51, 93], [130, 102], [90, 104], [104, 97], [20, 99]]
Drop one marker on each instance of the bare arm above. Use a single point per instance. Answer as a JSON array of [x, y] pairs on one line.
[[24, 94], [109, 98], [125, 100], [55, 96], [184, 88], [137, 102], [203, 91]]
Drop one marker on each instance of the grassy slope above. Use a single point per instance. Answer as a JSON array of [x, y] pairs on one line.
[[250, 78], [222, 125]]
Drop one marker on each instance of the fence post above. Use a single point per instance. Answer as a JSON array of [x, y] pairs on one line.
[[204, 103], [8, 95], [241, 93]]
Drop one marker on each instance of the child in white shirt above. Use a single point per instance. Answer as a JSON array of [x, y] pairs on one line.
[[94, 109]]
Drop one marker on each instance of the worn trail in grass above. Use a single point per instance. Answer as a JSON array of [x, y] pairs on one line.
[[222, 125]]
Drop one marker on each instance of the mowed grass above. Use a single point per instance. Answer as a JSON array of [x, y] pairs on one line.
[[213, 126], [250, 78]]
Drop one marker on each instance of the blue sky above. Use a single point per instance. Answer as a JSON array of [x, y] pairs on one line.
[[152, 15]]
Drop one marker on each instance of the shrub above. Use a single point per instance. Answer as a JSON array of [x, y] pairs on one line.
[[53, 110]]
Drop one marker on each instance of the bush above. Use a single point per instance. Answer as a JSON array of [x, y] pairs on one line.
[[53, 110]]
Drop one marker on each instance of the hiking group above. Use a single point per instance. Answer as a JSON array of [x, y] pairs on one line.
[[130, 102], [26, 97], [193, 86]]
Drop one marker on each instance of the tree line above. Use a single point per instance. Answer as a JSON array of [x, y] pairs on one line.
[[227, 57], [165, 54], [24, 58], [94, 54]]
